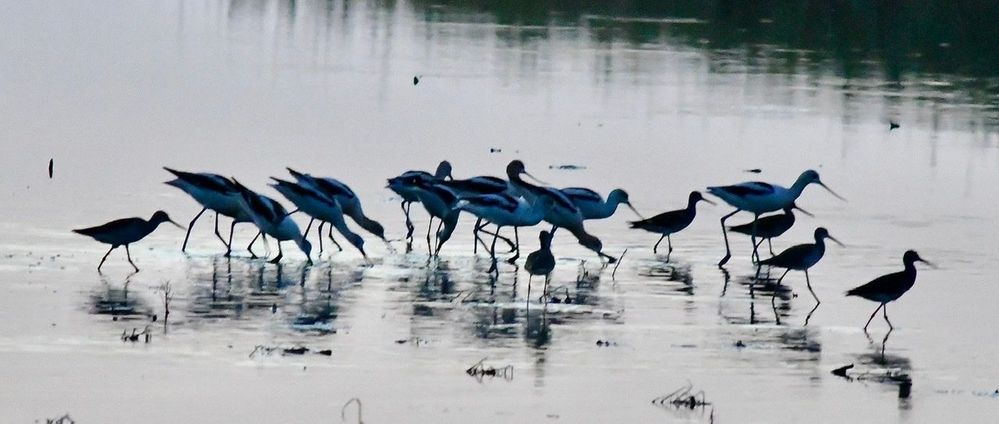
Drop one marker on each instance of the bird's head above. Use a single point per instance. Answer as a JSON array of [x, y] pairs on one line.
[[160, 217], [696, 196], [443, 170], [812, 177], [911, 257], [823, 233]]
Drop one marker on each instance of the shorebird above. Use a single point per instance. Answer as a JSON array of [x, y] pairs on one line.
[[540, 262], [769, 227], [408, 192], [505, 210], [759, 198], [479, 186], [272, 219], [318, 206], [592, 206], [801, 257], [671, 222], [889, 287], [562, 213], [122, 232], [345, 197], [439, 201], [213, 192]]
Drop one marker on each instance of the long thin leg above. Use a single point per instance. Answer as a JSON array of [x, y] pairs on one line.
[[129, 256], [279, 255], [513, 247], [516, 235], [232, 229], [250, 246], [338, 247], [728, 251], [885, 311], [475, 234], [529, 276], [267, 247], [669, 242], [409, 223], [319, 231], [782, 276], [809, 283], [771, 246], [189, 227], [655, 249], [756, 253], [872, 316], [219, 234], [105, 258], [492, 255], [430, 226]]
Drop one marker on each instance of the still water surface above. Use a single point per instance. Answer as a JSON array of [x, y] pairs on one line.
[[659, 100]]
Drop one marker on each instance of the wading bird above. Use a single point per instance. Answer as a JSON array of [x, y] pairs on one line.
[[123, 232], [562, 213], [592, 206], [890, 287], [671, 222], [540, 262], [801, 257], [759, 198], [318, 206], [213, 192], [345, 197], [272, 219], [769, 227], [408, 192], [505, 210]]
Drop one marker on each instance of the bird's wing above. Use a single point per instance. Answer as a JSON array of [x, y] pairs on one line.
[[790, 255], [771, 221], [665, 218], [874, 286], [752, 188], [205, 180], [333, 187], [112, 226], [484, 185], [505, 202], [582, 194]]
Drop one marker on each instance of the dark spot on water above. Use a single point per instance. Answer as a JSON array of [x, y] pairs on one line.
[[893, 125], [416, 79], [740, 344]]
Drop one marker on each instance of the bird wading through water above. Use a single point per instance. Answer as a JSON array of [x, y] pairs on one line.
[[123, 232], [888, 288]]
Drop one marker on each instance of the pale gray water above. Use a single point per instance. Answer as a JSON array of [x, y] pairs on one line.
[[115, 90]]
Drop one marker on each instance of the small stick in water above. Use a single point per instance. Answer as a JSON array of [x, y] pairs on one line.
[[50, 169], [619, 258], [343, 411]]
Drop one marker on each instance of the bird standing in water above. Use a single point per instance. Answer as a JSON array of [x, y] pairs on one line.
[[769, 227], [889, 287], [540, 262], [670, 222], [123, 232], [801, 257]]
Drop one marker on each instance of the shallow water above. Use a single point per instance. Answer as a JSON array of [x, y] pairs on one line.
[[659, 102]]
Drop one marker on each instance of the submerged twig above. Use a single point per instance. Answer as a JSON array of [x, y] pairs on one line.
[[619, 258], [343, 411], [684, 397], [65, 419]]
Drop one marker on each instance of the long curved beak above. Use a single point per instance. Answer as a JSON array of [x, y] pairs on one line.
[[803, 211], [931, 264], [837, 241], [831, 191], [535, 179], [178, 225], [628, 204]]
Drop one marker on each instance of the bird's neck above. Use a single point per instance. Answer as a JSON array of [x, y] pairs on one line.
[[798, 186]]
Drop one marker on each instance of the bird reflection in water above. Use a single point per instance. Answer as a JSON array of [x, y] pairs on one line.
[[888, 369], [117, 301], [678, 276]]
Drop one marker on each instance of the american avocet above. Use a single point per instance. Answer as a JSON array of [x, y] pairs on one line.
[[480, 186], [408, 193], [123, 232], [272, 219], [889, 287], [801, 257], [592, 206], [540, 262], [318, 206], [562, 213], [439, 201], [671, 222], [213, 192], [760, 198], [505, 210], [771, 226], [345, 197]]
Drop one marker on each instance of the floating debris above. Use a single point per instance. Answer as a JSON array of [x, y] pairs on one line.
[[416, 341], [480, 371], [890, 376], [65, 419], [495, 150], [892, 125], [740, 344], [296, 350], [606, 343], [134, 336], [566, 167], [416, 79], [50, 168], [684, 397], [841, 371], [753, 171], [619, 258]]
